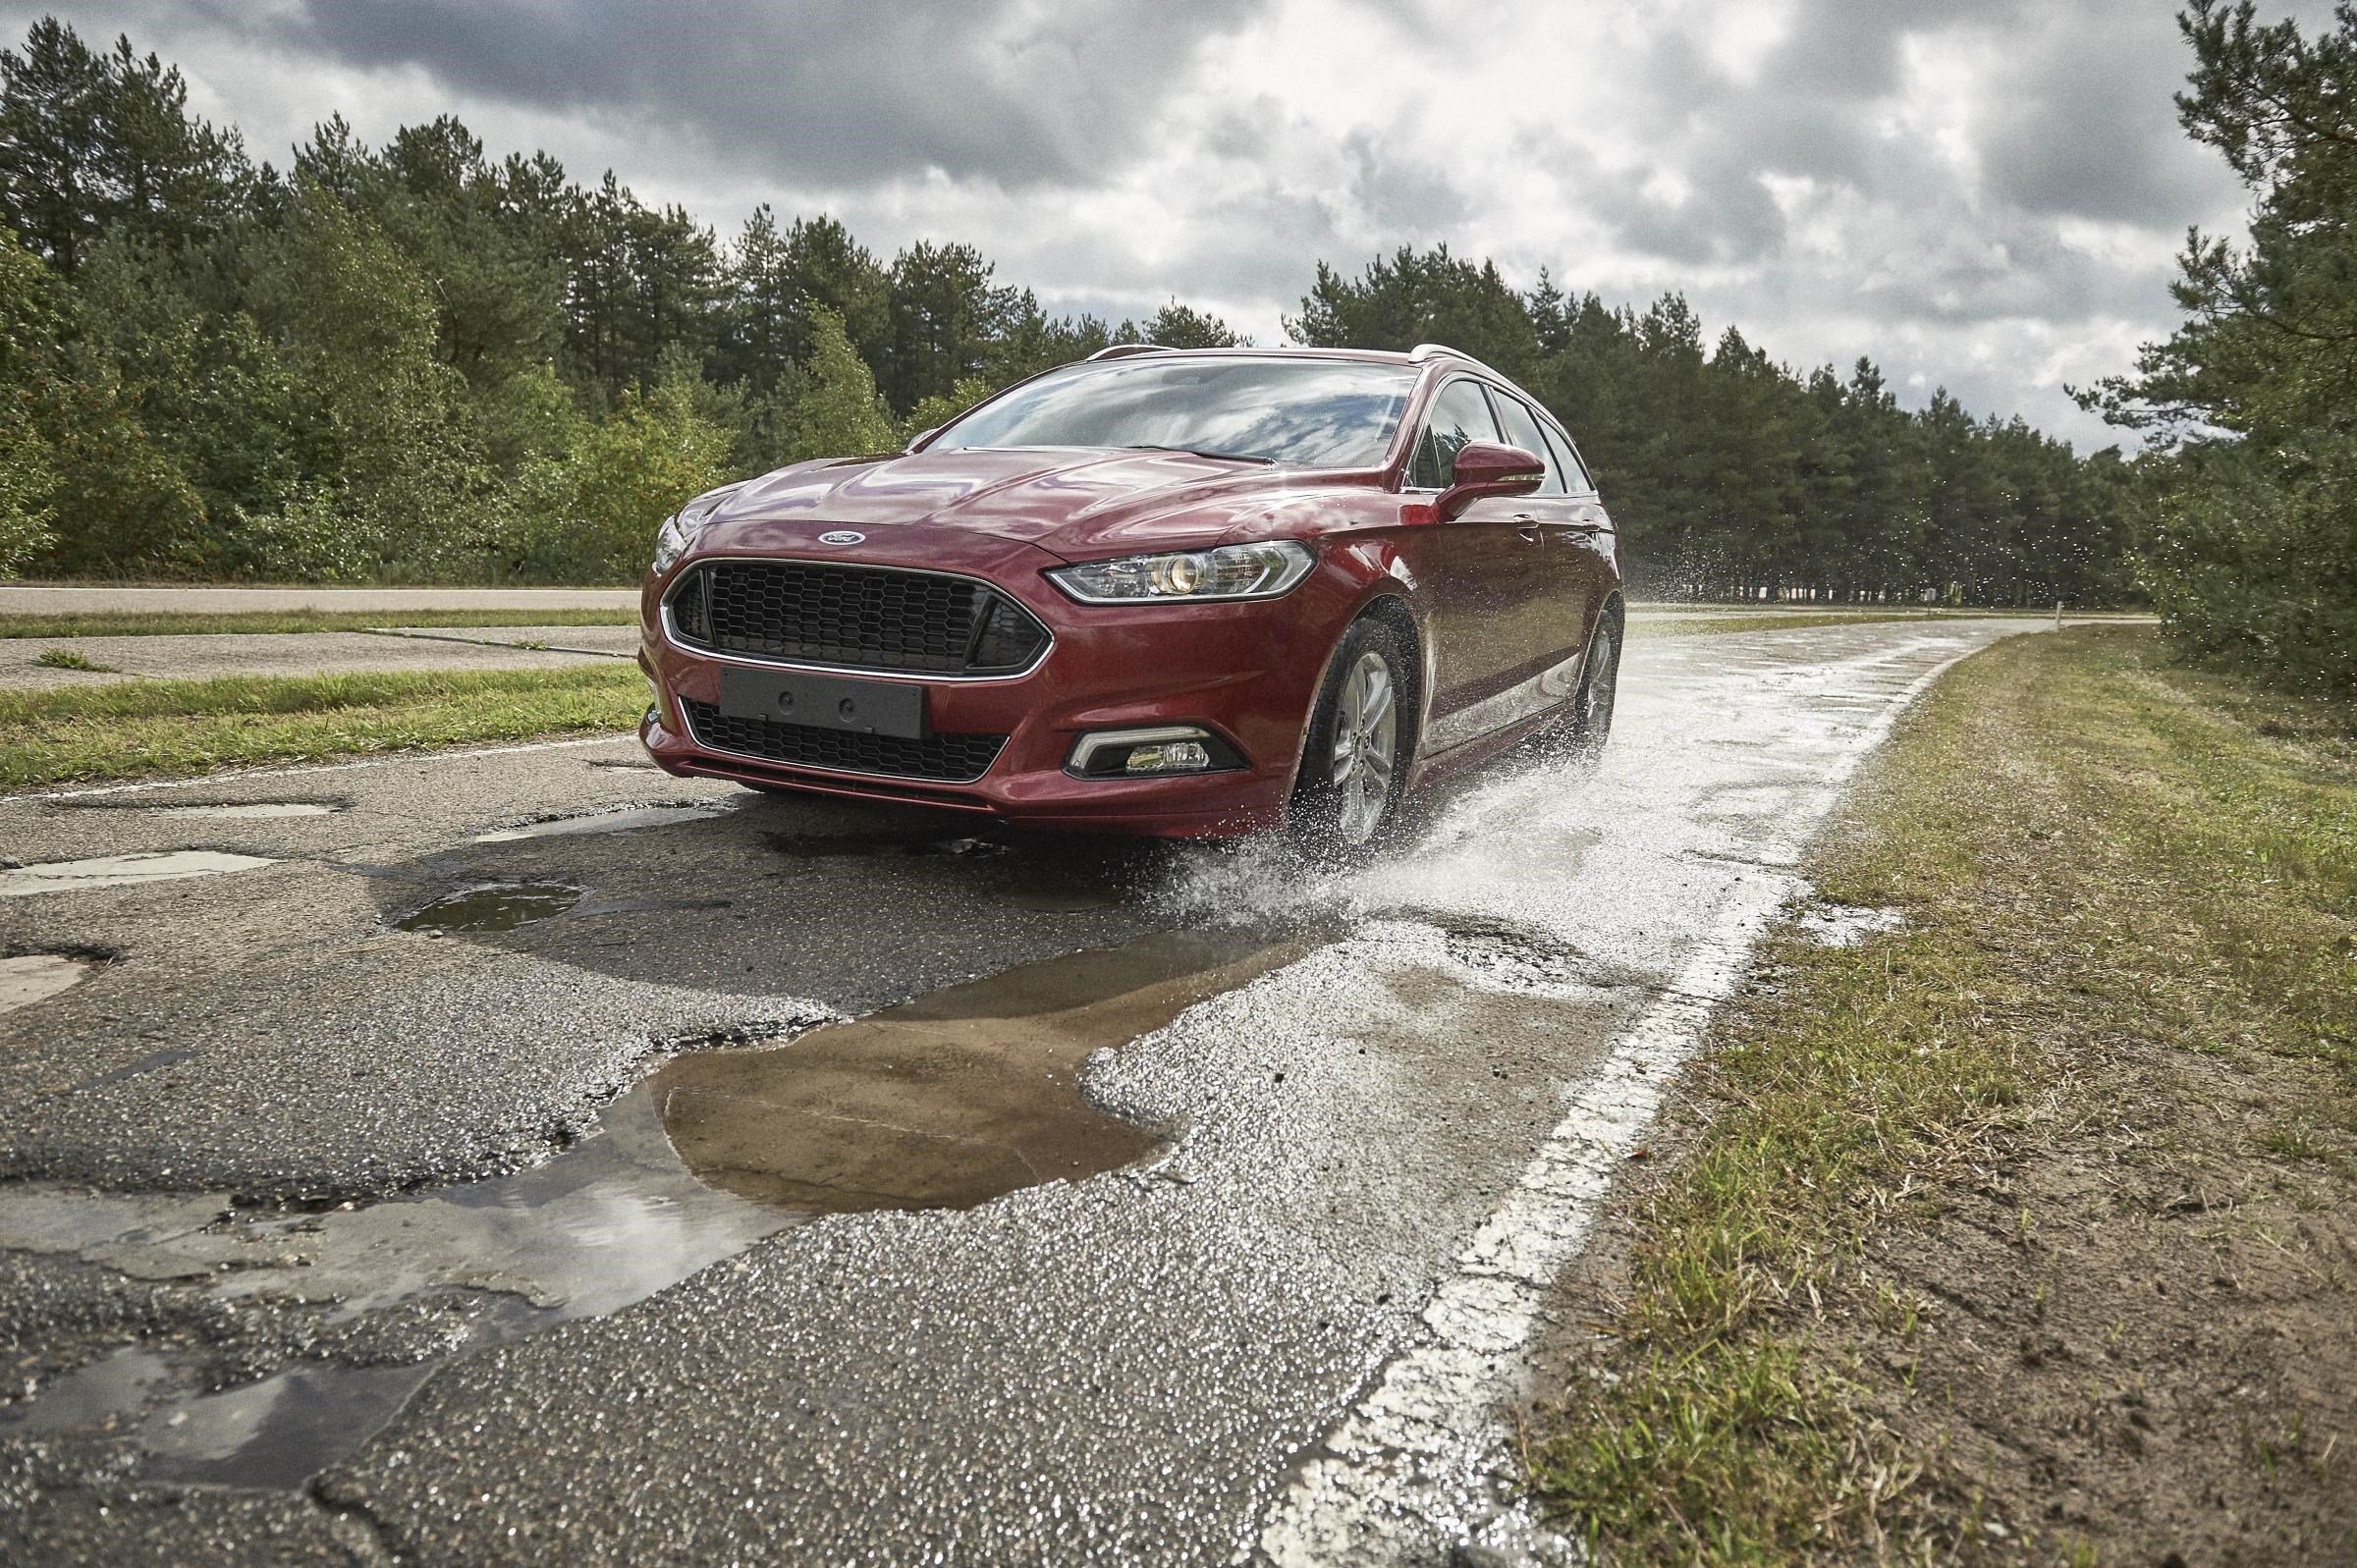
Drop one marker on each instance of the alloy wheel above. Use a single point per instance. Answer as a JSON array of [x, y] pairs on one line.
[[1596, 693], [1366, 746]]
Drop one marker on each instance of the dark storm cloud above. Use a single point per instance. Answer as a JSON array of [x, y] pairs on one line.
[[827, 91], [2082, 129]]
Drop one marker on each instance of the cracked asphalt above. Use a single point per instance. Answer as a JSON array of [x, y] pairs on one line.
[[1129, 1368]]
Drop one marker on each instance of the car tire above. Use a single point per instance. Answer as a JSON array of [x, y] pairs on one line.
[[1361, 740], [1599, 686]]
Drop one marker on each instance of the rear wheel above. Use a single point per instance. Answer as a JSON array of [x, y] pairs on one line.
[[1599, 685], [1361, 737]]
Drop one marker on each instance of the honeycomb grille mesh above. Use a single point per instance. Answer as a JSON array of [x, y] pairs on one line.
[[944, 759], [855, 618]]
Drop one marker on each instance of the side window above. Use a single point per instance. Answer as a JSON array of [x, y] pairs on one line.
[[1522, 430], [1459, 416], [1574, 474]]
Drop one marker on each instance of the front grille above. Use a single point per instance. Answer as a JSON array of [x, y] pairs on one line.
[[948, 759], [855, 618]]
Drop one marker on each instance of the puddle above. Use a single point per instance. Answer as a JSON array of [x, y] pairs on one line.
[[945, 1102], [120, 870], [1845, 925], [29, 979], [612, 821], [954, 1099], [257, 811], [604, 1224], [495, 907]]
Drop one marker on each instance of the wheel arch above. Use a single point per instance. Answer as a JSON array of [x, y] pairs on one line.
[[1393, 608]]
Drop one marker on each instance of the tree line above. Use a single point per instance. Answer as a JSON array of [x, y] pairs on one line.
[[2250, 408], [421, 362]]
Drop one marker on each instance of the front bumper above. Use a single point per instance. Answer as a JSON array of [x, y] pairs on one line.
[[1248, 671]]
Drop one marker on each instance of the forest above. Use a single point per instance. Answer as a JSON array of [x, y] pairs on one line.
[[430, 362]]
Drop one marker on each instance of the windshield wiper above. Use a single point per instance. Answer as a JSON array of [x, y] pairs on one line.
[[1203, 452]]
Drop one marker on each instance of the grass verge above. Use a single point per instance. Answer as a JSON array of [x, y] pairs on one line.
[[2023, 1233], [185, 623], [167, 728]]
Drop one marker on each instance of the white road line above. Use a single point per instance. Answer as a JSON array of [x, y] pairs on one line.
[[1418, 1463], [389, 760]]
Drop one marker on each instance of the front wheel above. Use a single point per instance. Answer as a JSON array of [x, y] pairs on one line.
[[1355, 761]]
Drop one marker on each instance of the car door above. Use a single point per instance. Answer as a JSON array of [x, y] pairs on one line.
[[1561, 588], [1474, 567], [1590, 536]]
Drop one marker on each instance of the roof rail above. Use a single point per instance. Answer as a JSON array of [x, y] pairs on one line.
[[1122, 350], [1436, 351]]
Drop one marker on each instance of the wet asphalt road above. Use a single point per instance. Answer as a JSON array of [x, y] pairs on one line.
[[1128, 1367]]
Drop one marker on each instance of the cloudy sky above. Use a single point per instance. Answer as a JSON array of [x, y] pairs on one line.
[[1984, 194]]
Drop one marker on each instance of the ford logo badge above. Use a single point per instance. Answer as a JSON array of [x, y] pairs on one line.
[[840, 536]]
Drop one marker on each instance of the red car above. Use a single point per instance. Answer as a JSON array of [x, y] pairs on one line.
[[1186, 593]]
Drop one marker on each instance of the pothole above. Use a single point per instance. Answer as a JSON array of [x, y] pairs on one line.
[[623, 820], [955, 1097], [33, 976], [120, 870], [1845, 925], [494, 906], [943, 1102]]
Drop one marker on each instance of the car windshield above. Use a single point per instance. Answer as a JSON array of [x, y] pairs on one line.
[[1320, 413]]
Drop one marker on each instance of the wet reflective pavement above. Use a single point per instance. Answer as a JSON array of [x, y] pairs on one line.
[[495, 1245]]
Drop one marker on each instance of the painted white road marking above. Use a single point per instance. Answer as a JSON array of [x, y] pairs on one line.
[[120, 870]]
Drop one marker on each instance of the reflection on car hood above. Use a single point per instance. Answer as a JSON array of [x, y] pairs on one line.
[[1078, 502]]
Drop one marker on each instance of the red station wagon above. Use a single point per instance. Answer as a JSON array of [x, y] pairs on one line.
[[1178, 592]]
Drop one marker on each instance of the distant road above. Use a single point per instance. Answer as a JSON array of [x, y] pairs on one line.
[[78, 599]]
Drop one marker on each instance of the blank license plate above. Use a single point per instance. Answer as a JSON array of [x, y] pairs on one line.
[[829, 702]]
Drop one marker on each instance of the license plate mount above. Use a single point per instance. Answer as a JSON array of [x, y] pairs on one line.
[[824, 702]]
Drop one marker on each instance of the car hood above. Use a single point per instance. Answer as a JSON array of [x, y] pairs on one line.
[[1078, 503]]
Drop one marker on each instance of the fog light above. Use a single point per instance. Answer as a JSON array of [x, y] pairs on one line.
[[1171, 756], [1158, 752]]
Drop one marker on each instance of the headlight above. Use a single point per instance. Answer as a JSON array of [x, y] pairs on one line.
[[679, 529], [1231, 572]]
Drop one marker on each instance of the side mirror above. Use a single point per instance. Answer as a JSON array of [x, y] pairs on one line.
[[1486, 468], [917, 442]]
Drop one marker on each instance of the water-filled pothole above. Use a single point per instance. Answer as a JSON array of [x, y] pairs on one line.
[[943, 1102], [31, 976], [494, 906], [950, 1099]]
